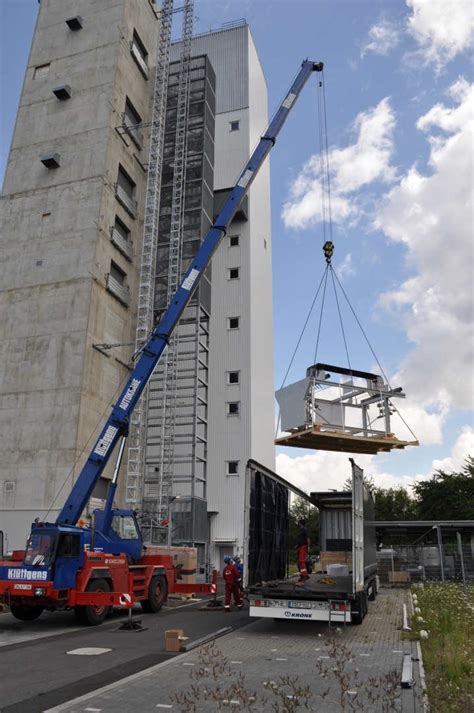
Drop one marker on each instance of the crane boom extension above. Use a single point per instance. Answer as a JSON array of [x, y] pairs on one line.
[[117, 423]]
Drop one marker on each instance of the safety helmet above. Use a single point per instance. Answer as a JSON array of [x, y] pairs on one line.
[[227, 559], [236, 558]]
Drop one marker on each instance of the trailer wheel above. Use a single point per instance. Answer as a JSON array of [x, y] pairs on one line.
[[374, 591], [25, 613], [89, 614], [157, 594]]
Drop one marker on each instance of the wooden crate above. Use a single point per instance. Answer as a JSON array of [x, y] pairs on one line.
[[335, 558], [399, 578]]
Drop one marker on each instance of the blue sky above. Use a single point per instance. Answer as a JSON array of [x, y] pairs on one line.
[[400, 114]]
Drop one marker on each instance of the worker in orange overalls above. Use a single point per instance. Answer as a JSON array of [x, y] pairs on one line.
[[302, 549], [231, 578]]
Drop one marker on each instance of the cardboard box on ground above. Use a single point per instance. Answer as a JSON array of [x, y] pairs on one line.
[[174, 639]]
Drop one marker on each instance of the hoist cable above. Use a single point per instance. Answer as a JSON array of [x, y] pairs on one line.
[[328, 175], [373, 352], [298, 344], [303, 330], [362, 330], [340, 317], [321, 161], [321, 313]]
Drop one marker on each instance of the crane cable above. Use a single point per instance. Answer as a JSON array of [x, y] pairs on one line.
[[328, 250]]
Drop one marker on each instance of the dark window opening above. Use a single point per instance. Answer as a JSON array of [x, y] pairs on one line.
[[232, 467], [74, 23], [122, 229], [234, 273], [234, 125], [125, 182], [233, 408], [117, 273], [234, 322], [233, 241], [131, 117], [233, 377]]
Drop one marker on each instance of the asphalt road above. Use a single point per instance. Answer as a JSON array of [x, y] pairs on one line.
[[36, 671]]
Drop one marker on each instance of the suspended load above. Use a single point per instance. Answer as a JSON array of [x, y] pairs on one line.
[[323, 413]]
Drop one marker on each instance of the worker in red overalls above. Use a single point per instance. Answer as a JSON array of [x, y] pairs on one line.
[[231, 578], [302, 549]]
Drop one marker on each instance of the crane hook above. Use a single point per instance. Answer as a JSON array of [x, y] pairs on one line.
[[328, 249]]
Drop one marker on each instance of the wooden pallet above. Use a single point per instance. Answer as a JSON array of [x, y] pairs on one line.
[[316, 439]]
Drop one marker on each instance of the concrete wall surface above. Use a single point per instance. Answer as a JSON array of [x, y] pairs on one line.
[[56, 388]]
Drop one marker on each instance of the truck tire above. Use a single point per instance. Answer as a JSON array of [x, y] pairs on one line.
[[360, 604], [25, 613], [89, 614], [157, 594]]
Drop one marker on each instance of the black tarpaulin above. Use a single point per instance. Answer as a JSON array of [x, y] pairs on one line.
[[268, 528]]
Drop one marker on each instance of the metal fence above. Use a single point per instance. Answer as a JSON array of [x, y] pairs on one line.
[[400, 565]]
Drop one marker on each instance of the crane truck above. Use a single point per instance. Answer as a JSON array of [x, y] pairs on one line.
[[66, 566]]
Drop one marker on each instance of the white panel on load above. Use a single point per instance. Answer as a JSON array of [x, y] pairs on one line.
[[327, 413], [292, 402]]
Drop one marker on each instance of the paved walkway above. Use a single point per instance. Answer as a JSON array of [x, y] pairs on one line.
[[249, 669]]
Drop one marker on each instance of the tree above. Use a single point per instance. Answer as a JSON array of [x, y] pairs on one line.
[[394, 504], [447, 496]]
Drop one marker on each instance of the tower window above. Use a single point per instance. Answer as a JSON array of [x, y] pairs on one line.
[[233, 241], [233, 408], [234, 125], [125, 192], [117, 273], [233, 323], [74, 23], [232, 467], [62, 92], [234, 273], [132, 122], [51, 160], [233, 377], [139, 54]]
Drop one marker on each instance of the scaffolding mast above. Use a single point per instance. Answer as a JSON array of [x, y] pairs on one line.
[[170, 367], [146, 290]]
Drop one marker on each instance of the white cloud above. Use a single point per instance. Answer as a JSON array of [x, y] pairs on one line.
[[383, 38], [442, 29], [432, 215], [353, 167], [463, 447], [346, 268]]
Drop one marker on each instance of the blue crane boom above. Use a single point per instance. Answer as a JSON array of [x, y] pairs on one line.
[[116, 425]]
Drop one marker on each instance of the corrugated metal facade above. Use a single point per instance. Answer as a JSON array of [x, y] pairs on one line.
[[228, 52], [241, 95]]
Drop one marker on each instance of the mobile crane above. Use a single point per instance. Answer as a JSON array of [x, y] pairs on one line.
[[66, 566]]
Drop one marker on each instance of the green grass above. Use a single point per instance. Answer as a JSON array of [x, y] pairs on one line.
[[448, 653]]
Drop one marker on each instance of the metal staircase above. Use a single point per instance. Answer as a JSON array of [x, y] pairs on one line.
[[159, 482], [137, 433]]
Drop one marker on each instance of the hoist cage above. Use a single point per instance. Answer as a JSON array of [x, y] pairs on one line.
[[321, 413]]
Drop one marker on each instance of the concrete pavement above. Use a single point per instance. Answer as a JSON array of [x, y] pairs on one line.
[[367, 659]]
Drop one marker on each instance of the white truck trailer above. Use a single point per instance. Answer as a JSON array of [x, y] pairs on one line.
[[347, 579]]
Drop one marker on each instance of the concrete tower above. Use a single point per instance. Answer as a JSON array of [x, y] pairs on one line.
[[70, 242]]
